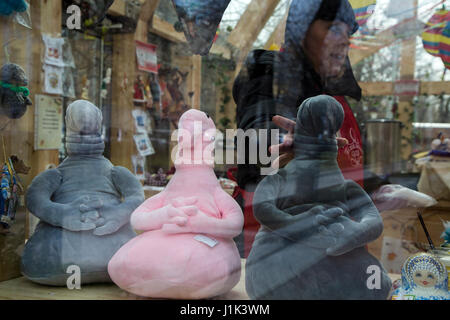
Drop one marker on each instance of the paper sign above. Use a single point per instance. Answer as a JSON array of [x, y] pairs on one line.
[[146, 57], [407, 88], [48, 122]]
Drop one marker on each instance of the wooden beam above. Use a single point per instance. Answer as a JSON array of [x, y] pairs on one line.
[[196, 81], [405, 106], [381, 40], [251, 22], [148, 10], [387, 88], [117, 8], [249, 26], [166, 30], [277, 36]]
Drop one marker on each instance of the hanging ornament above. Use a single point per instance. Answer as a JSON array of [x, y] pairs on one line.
[[13, 91], [444, 45], [363, 10], [10, 188], [199, 20], [433, 31]]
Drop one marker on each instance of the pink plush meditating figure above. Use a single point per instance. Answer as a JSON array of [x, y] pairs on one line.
[[186, 250]]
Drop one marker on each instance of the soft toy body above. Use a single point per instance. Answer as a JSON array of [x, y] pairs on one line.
[[314, 223], [424, 277], [187, 249], [84, 207]]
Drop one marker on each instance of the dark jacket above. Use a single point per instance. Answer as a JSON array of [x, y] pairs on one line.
[[276, 83]]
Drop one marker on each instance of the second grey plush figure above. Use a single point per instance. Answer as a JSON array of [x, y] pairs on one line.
[[315, 224], [84, 206]]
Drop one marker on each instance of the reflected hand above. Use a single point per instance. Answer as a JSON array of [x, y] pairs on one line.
[[286, 148]]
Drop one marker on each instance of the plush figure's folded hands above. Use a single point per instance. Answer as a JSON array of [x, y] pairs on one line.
[[190, 224], [109, 227], [73, 220], [328, 230], [348, 238]]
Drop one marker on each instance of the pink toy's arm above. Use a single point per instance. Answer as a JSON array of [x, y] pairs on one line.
[[152, 215], [229, 226]]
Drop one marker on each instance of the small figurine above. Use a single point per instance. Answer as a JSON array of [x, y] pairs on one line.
[[200, 20], [10, 187], [314, 223], [84, 206], [186, 250], [424, 277], [13, 91], [158, 179], [140, 93]]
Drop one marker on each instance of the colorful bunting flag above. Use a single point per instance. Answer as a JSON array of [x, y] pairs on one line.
[[363, 10]]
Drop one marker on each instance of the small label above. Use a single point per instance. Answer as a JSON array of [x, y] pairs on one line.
[[206, 240]]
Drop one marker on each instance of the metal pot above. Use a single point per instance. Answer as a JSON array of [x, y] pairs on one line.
[[383, 146]]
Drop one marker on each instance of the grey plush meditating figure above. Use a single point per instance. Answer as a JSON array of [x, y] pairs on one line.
[[84, 207], [315, 224]]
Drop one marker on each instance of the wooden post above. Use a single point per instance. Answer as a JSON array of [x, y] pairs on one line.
[[18, 135], [249, 26], [196, 81], [124, 73], [405, 106], [277, 36]]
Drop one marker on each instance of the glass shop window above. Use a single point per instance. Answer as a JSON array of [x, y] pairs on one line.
[[380, 69]]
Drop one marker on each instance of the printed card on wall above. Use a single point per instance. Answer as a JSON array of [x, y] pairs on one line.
[[143, 144], [53, 82], [53, 51], [141, 121], [48, 122], [146, 57], [138, 166]]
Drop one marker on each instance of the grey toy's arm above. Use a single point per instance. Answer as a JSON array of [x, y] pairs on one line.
[[133, 195], [294, 227], [38, 199], [364, 225]]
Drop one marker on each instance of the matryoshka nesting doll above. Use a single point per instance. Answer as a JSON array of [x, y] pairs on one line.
[[424, 277]]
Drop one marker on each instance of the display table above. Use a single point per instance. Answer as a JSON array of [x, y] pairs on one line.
[[23, 289]]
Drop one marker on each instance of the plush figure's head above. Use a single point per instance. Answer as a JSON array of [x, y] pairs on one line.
[[319, 117], [83, 128], [196, 135], [83, 118], [13, 91], [424, 271], [199, 20]]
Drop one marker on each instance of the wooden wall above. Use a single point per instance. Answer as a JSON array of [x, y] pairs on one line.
[[26, 49]]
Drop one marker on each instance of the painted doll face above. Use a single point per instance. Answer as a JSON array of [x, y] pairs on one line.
[[424, 278]]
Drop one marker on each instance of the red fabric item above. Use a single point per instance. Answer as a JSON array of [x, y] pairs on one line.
[[350, 157], [251, 225]]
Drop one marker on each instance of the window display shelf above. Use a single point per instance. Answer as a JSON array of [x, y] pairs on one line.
[[23, 289]]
